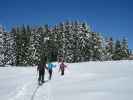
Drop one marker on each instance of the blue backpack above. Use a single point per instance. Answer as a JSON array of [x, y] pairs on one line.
[[50, 66]]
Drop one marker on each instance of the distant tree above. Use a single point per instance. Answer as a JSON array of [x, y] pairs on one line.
[[125, 50], [29, 46], [77, 42], [1, 46], [13, 46], [118, 51], [96, 46], [6, 48], [18, 48], [84, 42], [61, 40], [39, 44], [109, 48], [25, 36]]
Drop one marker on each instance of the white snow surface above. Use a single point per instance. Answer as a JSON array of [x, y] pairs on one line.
[[110, 80]]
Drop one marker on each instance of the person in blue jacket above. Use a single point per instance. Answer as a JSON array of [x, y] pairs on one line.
[[50, 69]]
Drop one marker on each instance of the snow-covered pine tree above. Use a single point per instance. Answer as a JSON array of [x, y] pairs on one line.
[[6, 48], [52, 46], [125, 50], [39, 44], [61, 40], [13, 46], [117, 51], [85, 50], [1, 45], [18, 47], [130, 52], [33, 42], [24, 45], [69, 41], [34, 45], [29, 46], [78, 41], [96, 49], [46, 46], [109, 48]]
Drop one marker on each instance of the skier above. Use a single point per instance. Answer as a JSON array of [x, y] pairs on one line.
[[50, 69], [41, 68], [62, 67]]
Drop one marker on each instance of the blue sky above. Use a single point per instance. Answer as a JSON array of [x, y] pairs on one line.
[[110, 17]]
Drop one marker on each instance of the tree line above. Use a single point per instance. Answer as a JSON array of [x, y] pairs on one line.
[[72, 40]]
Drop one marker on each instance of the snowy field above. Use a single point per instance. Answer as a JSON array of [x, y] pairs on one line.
[[82, 81]]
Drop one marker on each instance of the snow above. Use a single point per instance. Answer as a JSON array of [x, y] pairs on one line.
[[110, 80]]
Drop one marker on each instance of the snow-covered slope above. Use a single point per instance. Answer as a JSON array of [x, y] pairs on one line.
[[82, 81]]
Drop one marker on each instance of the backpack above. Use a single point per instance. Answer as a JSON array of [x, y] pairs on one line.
[[62, 66], [50, 66]]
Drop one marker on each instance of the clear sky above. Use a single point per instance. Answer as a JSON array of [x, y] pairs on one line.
[[110, 17]]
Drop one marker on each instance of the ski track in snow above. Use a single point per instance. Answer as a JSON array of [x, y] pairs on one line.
[[20, 93], [35, 92]]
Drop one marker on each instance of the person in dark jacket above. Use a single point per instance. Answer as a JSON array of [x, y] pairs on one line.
[[41, 68]]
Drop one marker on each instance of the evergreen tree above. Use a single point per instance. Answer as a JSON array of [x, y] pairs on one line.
[[25, 38], [1, 46], [29, 46], [85, 51], [125, 50], [78, 41], [41, 43], [70, 39], [109, 48], [61, 40], [18, 42], [96, 46], [52, 45], [39, 39], [118, 51], [13, 46], [6, 48]]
